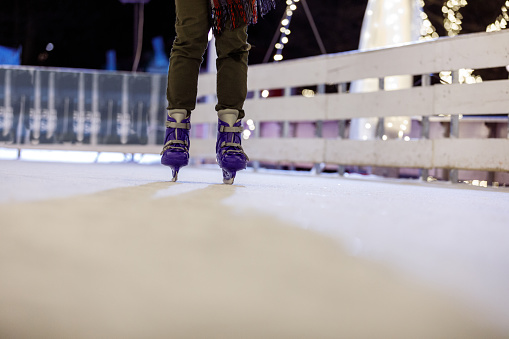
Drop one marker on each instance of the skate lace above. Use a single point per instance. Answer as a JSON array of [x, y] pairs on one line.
[[232, 147], [176, 144]]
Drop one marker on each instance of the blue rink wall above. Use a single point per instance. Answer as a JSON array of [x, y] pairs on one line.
[[52, 106]]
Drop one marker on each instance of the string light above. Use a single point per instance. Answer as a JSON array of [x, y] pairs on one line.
[[501, 21], [428, 31], [285, 31], [452, 16], [452, 24]]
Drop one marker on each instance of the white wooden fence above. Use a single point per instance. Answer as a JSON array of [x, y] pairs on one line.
[[475, 51]]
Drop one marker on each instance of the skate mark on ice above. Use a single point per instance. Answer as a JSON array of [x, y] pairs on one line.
[[183, 266], [179, 188]]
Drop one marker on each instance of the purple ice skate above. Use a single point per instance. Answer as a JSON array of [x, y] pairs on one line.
[[175, 152], [229, 153]]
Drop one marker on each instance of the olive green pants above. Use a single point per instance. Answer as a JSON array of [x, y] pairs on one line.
[[192, 27]]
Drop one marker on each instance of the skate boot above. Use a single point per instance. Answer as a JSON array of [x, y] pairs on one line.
[[175, 152], [229, 153]]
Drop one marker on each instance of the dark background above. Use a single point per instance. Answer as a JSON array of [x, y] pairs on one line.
[[82, 31]]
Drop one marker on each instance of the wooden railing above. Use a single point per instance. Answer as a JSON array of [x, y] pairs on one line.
[[454, 101], [134, 105]]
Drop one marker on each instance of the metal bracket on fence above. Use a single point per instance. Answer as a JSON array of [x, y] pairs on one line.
[[342, 87], [380, 128], [285, 130], [454, 128], [319, 128], [342, 129], [256, 131]]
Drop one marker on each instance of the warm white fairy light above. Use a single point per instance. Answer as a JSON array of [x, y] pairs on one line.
[[452, 16], [452, 24], [428, 31], [285, 31], [308, 93], [501, 21]]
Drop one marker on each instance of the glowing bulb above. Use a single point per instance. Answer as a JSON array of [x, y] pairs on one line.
[[265, 93], [308, 93]]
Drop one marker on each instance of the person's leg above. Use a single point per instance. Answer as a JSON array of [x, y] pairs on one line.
[[191, 26], [232, 53], [232, 56]]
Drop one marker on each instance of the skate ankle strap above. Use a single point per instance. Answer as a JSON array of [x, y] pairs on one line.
[[230, 144], [170, 144], [238, 148], [171, 124], [173, 142], [230, 129]]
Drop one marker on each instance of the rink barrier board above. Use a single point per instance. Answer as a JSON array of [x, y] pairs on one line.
[[463, 154], [122, 95], [490, 98], [478, 50]]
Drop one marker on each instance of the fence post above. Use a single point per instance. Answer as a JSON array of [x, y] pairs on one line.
[[454, 129], [154, 109], [341, 126], [426, 81], [257, 130], [35, 112], [380, 127], [285, 128], [319, 130]]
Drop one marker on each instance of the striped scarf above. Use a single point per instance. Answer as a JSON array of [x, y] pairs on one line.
[[238, 12]]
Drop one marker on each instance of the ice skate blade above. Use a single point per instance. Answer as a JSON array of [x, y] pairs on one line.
[[175, 174], [228, 181], [228, 177]]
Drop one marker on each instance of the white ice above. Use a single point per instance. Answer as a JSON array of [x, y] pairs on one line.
[[454, 238]]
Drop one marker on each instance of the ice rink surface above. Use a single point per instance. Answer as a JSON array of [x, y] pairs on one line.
[[275, 255]]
